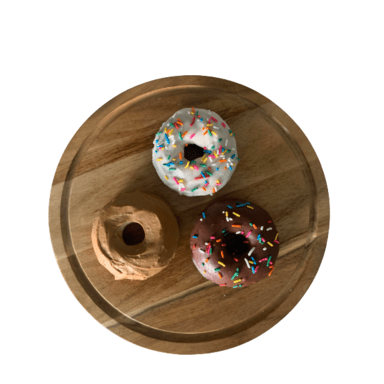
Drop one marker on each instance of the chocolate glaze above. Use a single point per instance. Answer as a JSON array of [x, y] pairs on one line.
[[212, 222]]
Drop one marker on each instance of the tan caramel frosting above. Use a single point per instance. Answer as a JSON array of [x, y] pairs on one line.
[[143, 260]]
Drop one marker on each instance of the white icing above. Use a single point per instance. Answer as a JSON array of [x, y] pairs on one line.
[[164, 152]]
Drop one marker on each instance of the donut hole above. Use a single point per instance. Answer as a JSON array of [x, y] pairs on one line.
[[133, 234], [193, 151], [236, 245]]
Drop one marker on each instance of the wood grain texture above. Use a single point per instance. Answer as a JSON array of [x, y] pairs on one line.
[[177, 310]]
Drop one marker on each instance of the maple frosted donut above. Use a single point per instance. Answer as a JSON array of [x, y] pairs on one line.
[[195, 152], [234, 243], [135, 235]]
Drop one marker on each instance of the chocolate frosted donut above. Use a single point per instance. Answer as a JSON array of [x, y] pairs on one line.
[[234, 243]]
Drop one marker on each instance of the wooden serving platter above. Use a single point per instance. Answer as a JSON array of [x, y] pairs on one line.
[[177, 310]]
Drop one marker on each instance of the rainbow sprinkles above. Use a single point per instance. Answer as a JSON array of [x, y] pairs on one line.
[[237, 241], [195, 152]]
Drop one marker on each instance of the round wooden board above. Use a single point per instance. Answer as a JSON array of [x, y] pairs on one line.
[[177, 310]]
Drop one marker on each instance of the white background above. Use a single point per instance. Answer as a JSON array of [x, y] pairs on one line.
[[322, 62]]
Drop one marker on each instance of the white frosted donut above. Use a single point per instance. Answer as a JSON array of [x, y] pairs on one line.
[[195, 152]]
